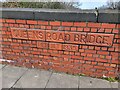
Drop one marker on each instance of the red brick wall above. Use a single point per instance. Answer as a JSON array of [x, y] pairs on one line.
[[73, 47]]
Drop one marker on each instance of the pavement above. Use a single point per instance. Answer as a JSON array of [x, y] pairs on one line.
[[21, 77]]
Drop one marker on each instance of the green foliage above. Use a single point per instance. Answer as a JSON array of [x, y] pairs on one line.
[[111, 79], [81, 74], [51, 5]]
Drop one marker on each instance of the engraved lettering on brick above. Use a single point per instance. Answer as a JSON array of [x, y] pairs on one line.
[[36, 34], [55, 46], [70, 47], [90, 38], [42, 44], [55, 36], [81, 38], [100, 39], [19, 33], [67, 37]]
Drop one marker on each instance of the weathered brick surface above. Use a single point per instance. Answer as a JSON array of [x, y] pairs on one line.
[[72, 47]]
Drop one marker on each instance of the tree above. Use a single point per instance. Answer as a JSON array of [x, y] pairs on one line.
[[51, 5], [110, 4], [113, 5]]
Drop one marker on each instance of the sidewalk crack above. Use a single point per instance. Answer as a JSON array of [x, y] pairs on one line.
[[48, 81], [19, 78]]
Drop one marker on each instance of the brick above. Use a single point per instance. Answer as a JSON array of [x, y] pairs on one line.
[[83, 54], [55, 23], [89, 58], [113, 65], [102, 56], [5, 24], [91, 47], [55, 46], [97, 25], [106, 64], [84, 47], [31, 22], [66, 52], [101, 60], [104, 48], [67, 23], [21, 21], [21, 25], [93, 29], [35, 52], [94, 63], [116, 31], [110, 68], [111, 49], [16, 50], [70, 47], [81, 50], [16, 25], [118, 26], [26, 26], [99, 67], [117, 49], [4, 28], [73, 28], [67, 28], [11, 25], [116, 45], [86, 29], [90, 51], [80, 24], [117, 36], [2, 20], [105, 25], [80, 29], [118, 40], [48, 27], [101, 30], [89, 55], [10, 20], [43, 22], [42, 44], [108, 30], [77, 53], [32, 26], [97, 48], [76, 57], [43, 27], [55, 27], [60, 28], [108, 57], [103, 52]]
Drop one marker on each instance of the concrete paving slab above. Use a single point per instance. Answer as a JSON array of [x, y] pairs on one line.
[[10, 74], [115, 84], [0, 79], [88, 82], [61, 80], [2, 65], [34, 79]]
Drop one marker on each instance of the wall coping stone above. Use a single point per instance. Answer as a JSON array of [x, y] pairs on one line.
[[104, 16]]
